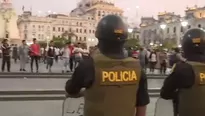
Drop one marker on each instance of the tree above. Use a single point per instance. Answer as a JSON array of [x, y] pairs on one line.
[[132, 43], [68, 35], [169, 43], [43, 44], [59, 42]]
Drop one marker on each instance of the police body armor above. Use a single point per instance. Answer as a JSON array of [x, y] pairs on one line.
[[115, 87], [192, 100]]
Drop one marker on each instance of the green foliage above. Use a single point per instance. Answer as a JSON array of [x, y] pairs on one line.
[[169, 44], [43, 44], [60, 42], [132, 43]]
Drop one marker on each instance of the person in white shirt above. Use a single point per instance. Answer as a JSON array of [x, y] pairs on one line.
[[77, 54], [153, 61], [57, 51], [65, 57]]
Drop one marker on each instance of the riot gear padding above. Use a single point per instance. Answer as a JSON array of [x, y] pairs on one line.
[[193, 42], [111, 28]]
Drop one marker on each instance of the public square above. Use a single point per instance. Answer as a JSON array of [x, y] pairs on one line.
[[24, 103]]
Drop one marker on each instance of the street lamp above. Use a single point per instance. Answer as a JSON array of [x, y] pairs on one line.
[[163, 26], [151, 44], [184, 23], [130, 30], [47, 38]]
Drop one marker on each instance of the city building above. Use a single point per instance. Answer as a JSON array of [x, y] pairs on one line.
[[8, 25], [78, 26], [169, 27]]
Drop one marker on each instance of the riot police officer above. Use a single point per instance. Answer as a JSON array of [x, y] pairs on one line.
[[114, 84], [186, 81]]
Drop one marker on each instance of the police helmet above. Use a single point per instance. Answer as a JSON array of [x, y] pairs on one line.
[[111, 28], [194, 42]]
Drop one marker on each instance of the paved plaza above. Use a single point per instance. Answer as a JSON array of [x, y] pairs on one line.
[[52, 107], [57, 67]]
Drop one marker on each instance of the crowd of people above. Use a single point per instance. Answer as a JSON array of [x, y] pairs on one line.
[[158, 59], [70, 55]]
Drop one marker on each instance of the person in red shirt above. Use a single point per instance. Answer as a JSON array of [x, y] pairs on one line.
[[71, 47], [34, 54]]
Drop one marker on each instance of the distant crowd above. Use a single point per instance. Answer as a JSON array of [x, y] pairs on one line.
[[70, 55]]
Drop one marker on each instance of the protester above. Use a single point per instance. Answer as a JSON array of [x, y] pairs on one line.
[[15, 55], [71, 58], [78, 54], [50, 54], [57, 53], [35, 54], [66, 54], [153, 60], [23, 55], [6, 55], [163, 61]]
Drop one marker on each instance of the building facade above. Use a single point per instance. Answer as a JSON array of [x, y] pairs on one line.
[[8, 23], [170, 28], [78, 26]]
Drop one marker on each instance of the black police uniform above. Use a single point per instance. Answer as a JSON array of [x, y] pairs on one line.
[[183, 85], [111, 35]]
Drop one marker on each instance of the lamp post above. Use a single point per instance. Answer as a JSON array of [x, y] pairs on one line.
[[47, 39], [184, 27], [163, 26], [130, 32]]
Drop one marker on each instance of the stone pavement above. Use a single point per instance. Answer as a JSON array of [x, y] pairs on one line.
[[44, 108], [57, 67]]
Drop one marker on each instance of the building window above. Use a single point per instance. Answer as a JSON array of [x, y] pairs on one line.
[[76, 30], [39, 36], [25, 36], [59, 29], [85, 31], [81, 24], [62, 29], [174, 30], [70, 30], [99, 13], [93, 31], [182, 29], [200, 15], [80, 39], [90, 31], [84, 38], [77, 23], [76, 38], [199, 25], [39, 28], [80, 30], [189, 26], [25, 27], [54, 29], [167, 30], [33, 26]]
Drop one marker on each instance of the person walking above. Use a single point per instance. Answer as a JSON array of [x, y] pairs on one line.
[[35, 54], [15, 53], [142, 58], [6, 55], [23, 55], [71, 58], [50, 54], [66, 54], [153, 61], [163, 62]]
